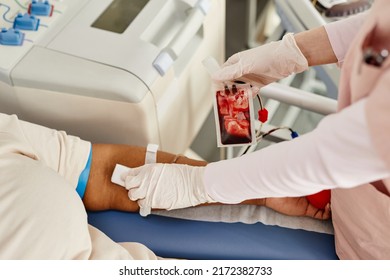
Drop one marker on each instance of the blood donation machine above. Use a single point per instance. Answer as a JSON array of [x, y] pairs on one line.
[[111, 71]]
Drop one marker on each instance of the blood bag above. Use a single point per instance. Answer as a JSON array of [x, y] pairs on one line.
[[234, 117]]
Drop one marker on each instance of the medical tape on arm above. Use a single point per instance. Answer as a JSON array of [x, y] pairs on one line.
[[151, 153]]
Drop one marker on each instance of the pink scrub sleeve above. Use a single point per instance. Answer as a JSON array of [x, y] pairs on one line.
[[341, 34], [338, 153]]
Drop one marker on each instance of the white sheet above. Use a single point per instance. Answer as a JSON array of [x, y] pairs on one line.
[[248, 214]]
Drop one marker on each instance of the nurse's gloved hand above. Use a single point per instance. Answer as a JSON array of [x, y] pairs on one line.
[[166, 186], [264, 64]]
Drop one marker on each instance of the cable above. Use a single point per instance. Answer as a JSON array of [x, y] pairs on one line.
[[17, 2], [7, 7], [293, 133], [263, 116]]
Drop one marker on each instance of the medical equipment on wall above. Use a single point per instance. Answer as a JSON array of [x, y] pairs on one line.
[[280, 16], [301, 15], [111, 71]]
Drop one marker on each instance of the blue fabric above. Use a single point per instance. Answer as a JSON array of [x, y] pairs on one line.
[[83, 179], [178, 238]]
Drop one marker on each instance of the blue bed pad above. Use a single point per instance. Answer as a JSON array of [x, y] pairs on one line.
[[197, 240]]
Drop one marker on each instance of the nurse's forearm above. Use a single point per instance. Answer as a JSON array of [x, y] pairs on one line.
[[315, 46], [338, 153]]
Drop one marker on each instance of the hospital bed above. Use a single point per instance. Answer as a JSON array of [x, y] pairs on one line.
[[202, 240], [230, 231]]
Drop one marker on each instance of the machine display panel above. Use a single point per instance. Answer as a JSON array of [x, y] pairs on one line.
[[119, 15]]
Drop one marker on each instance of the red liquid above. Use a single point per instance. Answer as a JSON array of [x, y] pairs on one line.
[[234, 116]]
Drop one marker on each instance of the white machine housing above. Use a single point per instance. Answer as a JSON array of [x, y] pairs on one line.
[[144, 85]]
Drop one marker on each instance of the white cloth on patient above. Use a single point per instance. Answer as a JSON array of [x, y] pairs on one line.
[[248, 214], [42, 216]]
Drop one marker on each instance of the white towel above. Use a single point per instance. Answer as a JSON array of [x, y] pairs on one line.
[[248, 214]]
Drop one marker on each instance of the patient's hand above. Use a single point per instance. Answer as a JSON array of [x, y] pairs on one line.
[[297, 206]]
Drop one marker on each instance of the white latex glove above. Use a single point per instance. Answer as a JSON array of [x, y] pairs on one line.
[[264, 64], [166, 186]]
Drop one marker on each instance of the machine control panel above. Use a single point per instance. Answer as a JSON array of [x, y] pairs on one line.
[[22, 24], [32, 15]]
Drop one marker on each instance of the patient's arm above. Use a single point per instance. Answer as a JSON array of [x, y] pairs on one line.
[[102, 194]]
